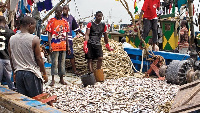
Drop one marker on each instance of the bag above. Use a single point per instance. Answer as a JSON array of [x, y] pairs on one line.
[[88, 79]]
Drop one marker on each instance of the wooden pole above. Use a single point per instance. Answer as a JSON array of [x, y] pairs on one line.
[[53, 9], [199, 21], [125, 4], [190, 5]]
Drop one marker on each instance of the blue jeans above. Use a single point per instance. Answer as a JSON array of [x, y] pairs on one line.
[[58, 63], [28, 83], [5, 72]]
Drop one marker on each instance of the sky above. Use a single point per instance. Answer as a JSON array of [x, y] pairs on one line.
[[113, 11]]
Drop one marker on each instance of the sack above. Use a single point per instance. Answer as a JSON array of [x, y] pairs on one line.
[[88, 79]]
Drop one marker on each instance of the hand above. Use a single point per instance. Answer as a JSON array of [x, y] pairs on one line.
[[50, 49], [85, 48], [68, 51], [45, 77], [108, 47]]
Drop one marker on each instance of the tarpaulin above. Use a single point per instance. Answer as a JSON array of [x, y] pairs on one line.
[[22, 7], [47, 4], [180, 3]]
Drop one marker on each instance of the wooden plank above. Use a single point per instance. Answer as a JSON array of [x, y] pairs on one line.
[[187, 98], [19, 103]]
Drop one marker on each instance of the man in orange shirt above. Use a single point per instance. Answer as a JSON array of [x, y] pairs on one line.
[[150, 19], [58, 29]]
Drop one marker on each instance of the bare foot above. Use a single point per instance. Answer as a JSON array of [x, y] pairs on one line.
[[52, 83], [62, 82]]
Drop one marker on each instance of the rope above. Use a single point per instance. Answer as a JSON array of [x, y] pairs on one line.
[[142, 61], [77, 8], [141, 67]]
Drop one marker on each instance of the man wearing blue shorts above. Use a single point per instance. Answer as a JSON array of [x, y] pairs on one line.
[[72, 26]]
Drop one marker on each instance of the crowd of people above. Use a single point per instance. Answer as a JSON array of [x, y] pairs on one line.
[[22, 58]]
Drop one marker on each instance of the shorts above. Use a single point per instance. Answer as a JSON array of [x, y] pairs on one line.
[[28, 83], [71, 55], [94, 51]]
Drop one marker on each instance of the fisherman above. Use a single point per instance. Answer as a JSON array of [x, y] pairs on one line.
[[150, 19], [26, 61], [58, 29], [92, 44], [72, 26], [5, 67]]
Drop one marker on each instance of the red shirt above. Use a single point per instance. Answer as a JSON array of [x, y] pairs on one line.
[[58, 29], [149, 7]]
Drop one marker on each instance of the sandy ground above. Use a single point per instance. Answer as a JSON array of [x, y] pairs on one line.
[[69, 78]]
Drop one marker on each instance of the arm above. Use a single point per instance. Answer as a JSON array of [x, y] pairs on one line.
[[106, 42], [144, 8], [75, 27], [38, 57], [85, 48], [87, 34], [67, 44], [105, 38], [9, 51], [81, 32], [49, 41]]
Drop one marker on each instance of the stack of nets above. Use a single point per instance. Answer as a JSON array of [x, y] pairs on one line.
[[115, 63]]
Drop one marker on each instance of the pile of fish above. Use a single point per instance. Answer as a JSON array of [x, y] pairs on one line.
[[115, 63], [125, 94]]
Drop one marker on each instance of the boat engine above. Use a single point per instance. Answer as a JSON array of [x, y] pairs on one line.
[[182, 72]]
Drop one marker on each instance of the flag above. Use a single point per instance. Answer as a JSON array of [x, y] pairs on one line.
[[135, 7]]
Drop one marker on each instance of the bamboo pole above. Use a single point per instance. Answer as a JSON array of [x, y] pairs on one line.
[[125, 4], [53, 9]]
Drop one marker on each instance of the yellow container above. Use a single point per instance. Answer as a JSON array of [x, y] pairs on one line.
[[98, 73]]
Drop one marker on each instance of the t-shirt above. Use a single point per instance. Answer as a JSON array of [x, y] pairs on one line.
[[72, 26], [149, 7], [58, 29], [96, 31], [22, 54], [5, 35]]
